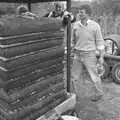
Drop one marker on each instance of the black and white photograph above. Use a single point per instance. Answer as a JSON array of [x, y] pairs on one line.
[[59, 59]]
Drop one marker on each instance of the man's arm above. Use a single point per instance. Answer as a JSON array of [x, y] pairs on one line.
[[100, 43], [48, 14], [74, 37]]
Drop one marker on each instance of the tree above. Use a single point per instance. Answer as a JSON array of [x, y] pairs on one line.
[[116, 10], [106, 6]]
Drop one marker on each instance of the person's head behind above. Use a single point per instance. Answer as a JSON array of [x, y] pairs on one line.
[[22, 9], [85, 11]]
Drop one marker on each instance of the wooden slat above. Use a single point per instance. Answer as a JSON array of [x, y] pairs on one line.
[[33, 77], [6, 75], [39, 95], [38, 106], [24, 48], [41, 55], [38, 86], [45, 109], [18, 25], [17, 115], [29, 89], [30, 37]]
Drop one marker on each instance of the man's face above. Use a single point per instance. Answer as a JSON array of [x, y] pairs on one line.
[[82, 14], [58, 9]]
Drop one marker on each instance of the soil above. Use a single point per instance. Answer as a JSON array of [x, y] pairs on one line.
[[107, 108]]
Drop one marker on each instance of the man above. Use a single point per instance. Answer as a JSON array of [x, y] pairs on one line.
[[23, 11], [57, 12], [87, 40], [60, 13]]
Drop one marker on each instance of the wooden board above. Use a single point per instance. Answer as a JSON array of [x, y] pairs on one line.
[[13, 63], [31, 37], [6, 75], [11, 26], [13, 50]]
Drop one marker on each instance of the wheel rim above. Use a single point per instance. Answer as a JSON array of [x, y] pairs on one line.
[[117, 73]]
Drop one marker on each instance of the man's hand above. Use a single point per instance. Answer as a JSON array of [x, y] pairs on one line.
[[100, 67], [100, 56], [68, 15], [101, 60]]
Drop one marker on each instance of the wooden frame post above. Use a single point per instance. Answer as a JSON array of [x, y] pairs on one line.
[[68, 48], [29, 5]]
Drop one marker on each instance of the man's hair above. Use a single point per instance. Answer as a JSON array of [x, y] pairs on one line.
[[56, 4], [87, 8], [22, 9]]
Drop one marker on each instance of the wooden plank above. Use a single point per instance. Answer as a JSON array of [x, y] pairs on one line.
[[39, 95], [27, 90], [38, 106], [41, 55], [33, 77], [18, 115], [35, 87], [45, 109], [24, 48], [30, 37], [6, 75], [19, 25]]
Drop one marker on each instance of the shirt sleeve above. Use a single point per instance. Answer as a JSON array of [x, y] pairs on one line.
[[100, 44], [73, 36]]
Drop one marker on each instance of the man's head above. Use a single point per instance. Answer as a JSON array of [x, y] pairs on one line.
[[58, 8], [85, 11], [22, 9]]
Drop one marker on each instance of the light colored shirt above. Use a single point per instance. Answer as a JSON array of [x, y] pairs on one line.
[[89, 37]]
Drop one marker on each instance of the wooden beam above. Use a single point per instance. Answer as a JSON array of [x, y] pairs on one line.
[[68, 48], [29, 5]]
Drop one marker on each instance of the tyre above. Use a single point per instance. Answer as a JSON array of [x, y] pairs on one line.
[[116, 73], [106, 70]]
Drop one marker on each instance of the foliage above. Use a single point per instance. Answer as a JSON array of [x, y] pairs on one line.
[[6, 8], [106, 7], [116, 10]]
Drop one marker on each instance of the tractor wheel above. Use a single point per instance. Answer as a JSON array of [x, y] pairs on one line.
[[116, 73], [106, 70]]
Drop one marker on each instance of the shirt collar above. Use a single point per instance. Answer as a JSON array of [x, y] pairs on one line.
[[88, 21]]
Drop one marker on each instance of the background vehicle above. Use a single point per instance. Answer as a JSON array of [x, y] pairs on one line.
[[112, 57]]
